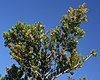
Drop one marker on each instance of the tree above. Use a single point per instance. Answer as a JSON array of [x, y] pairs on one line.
[[45, 55]]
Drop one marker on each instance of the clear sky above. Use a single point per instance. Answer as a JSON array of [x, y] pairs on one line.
[[49, 13]]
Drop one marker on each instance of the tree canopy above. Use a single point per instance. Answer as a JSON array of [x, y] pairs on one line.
[[46, 55]]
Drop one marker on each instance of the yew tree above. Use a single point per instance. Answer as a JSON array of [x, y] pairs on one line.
[[46, 55]]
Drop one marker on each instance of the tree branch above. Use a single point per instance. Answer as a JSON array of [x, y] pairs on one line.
[[68, 69]]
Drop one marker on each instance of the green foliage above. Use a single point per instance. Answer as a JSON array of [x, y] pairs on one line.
[[45, 57], [94, 53], [83, 78]]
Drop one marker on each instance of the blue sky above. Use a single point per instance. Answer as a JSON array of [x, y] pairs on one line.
[[49, 13]]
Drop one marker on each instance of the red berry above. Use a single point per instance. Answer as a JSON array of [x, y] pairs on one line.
[[75, 50], [8, 70], [19, 52], [16, 38], [31, 52], [52, 54], [9, 39]]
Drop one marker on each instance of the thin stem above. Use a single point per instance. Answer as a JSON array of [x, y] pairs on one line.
[[88, 57]]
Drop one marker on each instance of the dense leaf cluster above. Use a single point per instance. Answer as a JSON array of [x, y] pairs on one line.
[[46, 55]]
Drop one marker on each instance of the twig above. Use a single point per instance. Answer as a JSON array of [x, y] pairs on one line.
[[88, 57], [68, 69]]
